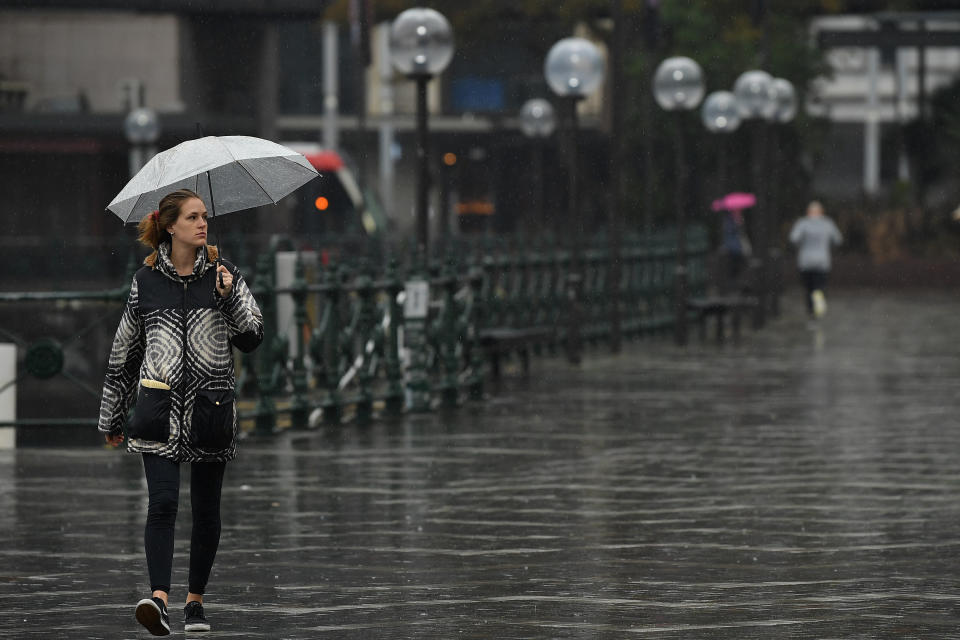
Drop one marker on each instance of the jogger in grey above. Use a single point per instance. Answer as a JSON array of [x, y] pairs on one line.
[[814, 235]]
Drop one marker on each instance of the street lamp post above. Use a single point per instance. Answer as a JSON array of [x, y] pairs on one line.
[[786, 98], [537, 122], [756, 99], [678, 86], [142, 128], [722, 117], [421, 46], [574, 69]]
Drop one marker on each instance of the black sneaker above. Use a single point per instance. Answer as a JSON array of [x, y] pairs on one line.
[[152, 614], [193, 618]]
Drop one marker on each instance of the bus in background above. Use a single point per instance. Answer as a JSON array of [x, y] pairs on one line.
[[331, 209]]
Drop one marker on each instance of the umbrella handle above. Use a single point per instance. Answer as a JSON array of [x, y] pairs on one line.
[[213, 205]]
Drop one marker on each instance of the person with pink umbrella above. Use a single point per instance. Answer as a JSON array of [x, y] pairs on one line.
[[736, 244]]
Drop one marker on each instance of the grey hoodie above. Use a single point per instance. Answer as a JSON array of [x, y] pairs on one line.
[[813, 237]]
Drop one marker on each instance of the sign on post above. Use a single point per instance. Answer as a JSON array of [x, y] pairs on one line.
[[416, 307], [417, 301]]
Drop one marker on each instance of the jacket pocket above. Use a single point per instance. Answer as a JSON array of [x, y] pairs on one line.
[[211, 427], [151, 417]]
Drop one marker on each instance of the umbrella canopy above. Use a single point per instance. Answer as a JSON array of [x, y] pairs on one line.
[[241, 171], [735, 201]]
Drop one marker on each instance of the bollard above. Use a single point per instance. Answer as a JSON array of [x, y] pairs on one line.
[[8, 395]]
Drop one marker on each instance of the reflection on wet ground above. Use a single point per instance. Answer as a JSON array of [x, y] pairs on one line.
[[801, 485]]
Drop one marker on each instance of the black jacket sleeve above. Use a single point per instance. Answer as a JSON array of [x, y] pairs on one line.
[[241, 313]]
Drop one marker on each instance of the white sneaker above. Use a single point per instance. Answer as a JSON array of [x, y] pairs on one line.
[[819, 304]]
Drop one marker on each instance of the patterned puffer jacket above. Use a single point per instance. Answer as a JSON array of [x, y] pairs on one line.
[[177, 331]]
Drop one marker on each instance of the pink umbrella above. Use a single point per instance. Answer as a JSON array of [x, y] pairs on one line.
[[735, 201]]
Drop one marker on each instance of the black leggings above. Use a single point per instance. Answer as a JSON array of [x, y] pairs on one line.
[[163, 484], [813, 280]]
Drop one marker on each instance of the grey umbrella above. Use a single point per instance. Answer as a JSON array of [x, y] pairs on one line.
[[230, 173]]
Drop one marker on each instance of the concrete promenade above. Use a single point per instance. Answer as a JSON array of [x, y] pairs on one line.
[[803, 484]]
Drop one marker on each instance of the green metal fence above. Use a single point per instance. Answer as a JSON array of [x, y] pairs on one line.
[[357, 347]]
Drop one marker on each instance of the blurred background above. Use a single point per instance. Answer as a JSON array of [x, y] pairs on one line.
[[875, 135]]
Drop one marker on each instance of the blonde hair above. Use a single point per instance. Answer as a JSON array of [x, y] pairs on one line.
[[152, 229]]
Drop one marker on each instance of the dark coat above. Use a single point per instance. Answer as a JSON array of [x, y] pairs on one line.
[[178, 331]]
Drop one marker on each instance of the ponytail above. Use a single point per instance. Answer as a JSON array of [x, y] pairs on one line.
[[153, 227]]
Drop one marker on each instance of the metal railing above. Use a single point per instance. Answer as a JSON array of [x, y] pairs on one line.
[[354, 346]]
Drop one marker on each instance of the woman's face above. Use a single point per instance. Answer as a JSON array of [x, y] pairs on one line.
[[191, 226]]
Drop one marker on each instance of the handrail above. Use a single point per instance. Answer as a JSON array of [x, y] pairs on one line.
[[352, 351]]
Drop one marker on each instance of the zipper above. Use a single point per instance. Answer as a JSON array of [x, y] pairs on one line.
[[183, 365]]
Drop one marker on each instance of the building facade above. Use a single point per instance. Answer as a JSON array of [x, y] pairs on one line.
[[70, 71], [883, 69]]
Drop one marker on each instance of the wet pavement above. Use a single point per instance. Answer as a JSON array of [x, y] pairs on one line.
[[800, 485]]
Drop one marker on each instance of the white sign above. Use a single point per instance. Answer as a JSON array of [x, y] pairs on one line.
[[417, 301]]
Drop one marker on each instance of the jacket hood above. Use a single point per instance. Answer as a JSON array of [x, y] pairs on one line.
[[165, 264]]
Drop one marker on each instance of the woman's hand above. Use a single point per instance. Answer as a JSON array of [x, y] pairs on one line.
[[224, 276], [113, 440]]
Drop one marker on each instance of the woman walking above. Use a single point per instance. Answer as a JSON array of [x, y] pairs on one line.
[[172, 356]]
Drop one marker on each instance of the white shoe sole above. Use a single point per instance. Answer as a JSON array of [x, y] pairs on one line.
[[150, 616], [196, 626], [819, 304]]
